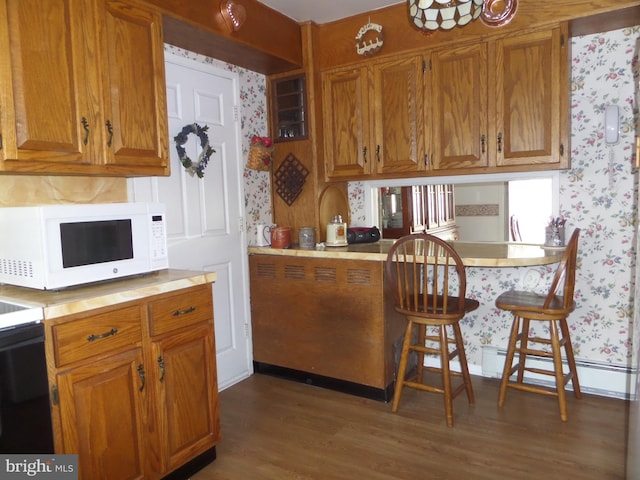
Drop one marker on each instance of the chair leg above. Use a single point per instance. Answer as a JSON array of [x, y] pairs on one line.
[[524, 343], [422, 332], [446, 375], [571, 361], [557, 367], [464, 368], [508, 363], [404, 358]]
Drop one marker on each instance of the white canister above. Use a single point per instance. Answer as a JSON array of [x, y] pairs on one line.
[[336, 232]]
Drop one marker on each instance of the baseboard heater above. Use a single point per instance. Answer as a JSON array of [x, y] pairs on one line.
[[598, 378]]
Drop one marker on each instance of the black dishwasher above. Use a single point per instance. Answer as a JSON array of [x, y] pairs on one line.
[[25, 415]]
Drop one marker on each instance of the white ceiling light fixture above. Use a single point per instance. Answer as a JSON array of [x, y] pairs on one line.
[[430, 15]]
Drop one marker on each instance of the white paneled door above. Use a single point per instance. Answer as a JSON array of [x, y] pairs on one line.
[[204, 215]]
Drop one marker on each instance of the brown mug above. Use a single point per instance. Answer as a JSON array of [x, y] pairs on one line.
[[280, 237]]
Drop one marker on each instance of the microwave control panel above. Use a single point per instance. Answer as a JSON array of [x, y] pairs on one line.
[[158, 237]]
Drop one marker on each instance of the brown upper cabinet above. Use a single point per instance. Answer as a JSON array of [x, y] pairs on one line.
[[502, 104], [459, 108], [345, 109], [397, 101], [495, 105], [532, 113], [82, 88], [373, 118]]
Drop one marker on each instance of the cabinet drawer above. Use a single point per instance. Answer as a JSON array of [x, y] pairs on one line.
[[96, 334], [186, 307]]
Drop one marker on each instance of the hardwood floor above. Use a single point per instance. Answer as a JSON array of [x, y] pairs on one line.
[[278, 429]]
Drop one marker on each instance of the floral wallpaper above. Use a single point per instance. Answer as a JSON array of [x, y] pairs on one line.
[[253, 118], [598, 195]]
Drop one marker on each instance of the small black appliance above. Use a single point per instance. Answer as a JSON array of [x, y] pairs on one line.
[[363, 235]]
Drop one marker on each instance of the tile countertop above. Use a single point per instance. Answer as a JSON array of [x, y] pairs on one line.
[[473, 254], [57, 303]]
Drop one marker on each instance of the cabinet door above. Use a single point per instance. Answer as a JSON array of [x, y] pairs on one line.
[[459, 107], [431, 206], [289, 108], [134, 88], [398, 119], [44, 86], [531, 107], [82, 88], [418, 208], [448, 205], [345, 107], [102, 416], [187, 399]]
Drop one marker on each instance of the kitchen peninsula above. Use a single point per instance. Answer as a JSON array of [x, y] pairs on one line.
[[473, 254], [321, 316]]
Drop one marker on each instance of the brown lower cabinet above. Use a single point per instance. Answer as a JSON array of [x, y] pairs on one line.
[[134, 386], [325, 321]]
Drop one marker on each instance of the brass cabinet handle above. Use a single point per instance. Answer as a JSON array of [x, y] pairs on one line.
[[177, 313], [143, 380], [93, 337], [85, 126], [109, 131], [161, 365]]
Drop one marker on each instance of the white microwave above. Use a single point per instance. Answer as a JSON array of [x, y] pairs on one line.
[[51, 247]]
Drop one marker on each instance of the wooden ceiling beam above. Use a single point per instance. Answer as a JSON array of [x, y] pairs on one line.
[[271, 43], [268, 42], [605, 22]]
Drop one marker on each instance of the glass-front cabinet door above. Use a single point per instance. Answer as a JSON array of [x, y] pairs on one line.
[[416, 209], [289, 109]]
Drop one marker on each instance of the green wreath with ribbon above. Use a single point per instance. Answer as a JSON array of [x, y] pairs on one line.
[[194, 168]]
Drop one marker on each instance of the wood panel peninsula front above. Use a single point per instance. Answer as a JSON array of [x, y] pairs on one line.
[[321, 316], [132, 373]]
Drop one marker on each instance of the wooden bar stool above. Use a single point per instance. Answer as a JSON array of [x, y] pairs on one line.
[[428, 282], [552, 308]]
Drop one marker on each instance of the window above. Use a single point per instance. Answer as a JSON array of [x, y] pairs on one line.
[[531, 196], [531, 203]]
